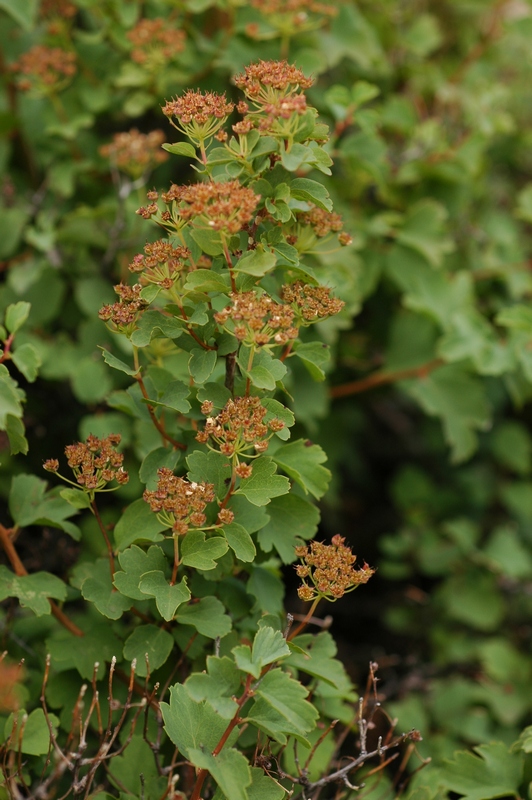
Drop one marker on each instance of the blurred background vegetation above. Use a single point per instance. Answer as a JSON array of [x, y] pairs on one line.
[[425, 412]]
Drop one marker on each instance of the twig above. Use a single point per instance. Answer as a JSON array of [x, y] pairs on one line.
[[382, 378]]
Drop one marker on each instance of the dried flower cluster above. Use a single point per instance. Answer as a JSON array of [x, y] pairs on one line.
[[225, 207], [199, 115], [161, 264], [239, 428], [57, 8], [312, 303], [136, 153], [290, 17], [257, 319], [95, 462], [155, 42], [125, 312], [44, 69], [330, 570], [179, 503], [272, 87]]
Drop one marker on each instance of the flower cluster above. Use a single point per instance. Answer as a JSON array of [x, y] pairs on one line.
[[316, 223], [290, 17], [199, 115], [312, 303], [239, 428], [162, 263], [155, 42], [44, 69], [272, 87], [179, 503], [136, 153], [225, 207], [257, 319], [95, 462], [57, 8], [330, 570], [125, 312]]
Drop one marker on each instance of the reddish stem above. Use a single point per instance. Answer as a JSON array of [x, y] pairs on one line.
[[158, 425], [106, 538], [382, 378], [20, 570]]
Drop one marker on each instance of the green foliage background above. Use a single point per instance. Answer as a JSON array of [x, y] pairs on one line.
[[426, 425]]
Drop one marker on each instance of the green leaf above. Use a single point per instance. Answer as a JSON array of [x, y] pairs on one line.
[[302, 461], [136, 771], [201, 364], [33, 590], [265, 584], [98, 645], [280, 708], [218, 685], [167, 597], [424, 231], [492, 772], [311, 192], [30, 504], [155, 325], [518, 317], [174, 397], [230, 770], [191, 724], [291, 519], [269, 645], [276, 410], [207, 616], [10, 398], [138, 523], [77, 498], [314, 356], [97, 587], [265, 372], [263, 484], [511, 445], [16, 314], [263, 787], [508, 554], [256, 262], [459, 400], [180, 149], [135, 563], [212, 468], [14, 428], [473, 599], [148, 643], [239, 541], [154, 460], [209, 241], [202, 553], [205, 280], [316, 656], [35, 732], [117, 363]]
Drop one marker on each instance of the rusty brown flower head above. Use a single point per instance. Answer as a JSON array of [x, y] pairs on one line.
[[256, 319], [311, 303], [199, 115], [290, 17], [124, 313], [155, 43], [44, 70], [179, 503], [224, 207], [135, 153], [96, 462], [328, 570], [272, 88], [315, 226], [239, 429], [161, 264]]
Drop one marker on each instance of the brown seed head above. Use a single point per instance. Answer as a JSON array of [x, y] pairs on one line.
[[329, 569], [95, 462], [257, 319], [239, 427], [161, 264], [179, 503], [155, 42], [126, 311], [44, 69], [311, 303], [135, 153]]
